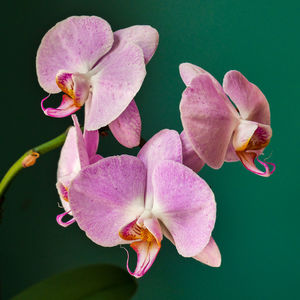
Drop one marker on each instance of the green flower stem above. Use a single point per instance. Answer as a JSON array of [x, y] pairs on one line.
[[18, 166]]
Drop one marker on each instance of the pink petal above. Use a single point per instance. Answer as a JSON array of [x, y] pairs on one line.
[[144, 36], [248, 158], [231, 155], [127, 127], [73, 158], [69, 163], [209, 119], [95, 158], [91, 140], [80, 144], [210, 255], [186, 206], [248, 98], [190, 157], [165, 145], [75, 45], [243, 134], [118, 77], [66, 108], [108, 195], [189, 71]]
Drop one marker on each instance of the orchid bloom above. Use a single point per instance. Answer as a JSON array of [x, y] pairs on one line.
[[77, 152], [83, 58], [136, 200], [215, 129]]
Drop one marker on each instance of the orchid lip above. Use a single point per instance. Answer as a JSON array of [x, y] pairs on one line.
[[145, 243], [76, 87], [66, 108], [248, 158]]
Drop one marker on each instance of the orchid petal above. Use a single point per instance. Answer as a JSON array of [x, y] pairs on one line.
[[208, 119], [243, 134], [210, 255], [91, 140], [248, 158], [165, 145], [117, 78], [127, 127], [108, 195], [189, 156], [189, 71], [231, 155], [144, 36], [95, 158], [74, 44], [185, 204], [69, 163], [66, 108], [250, 101], [73, 157], [80, 144]]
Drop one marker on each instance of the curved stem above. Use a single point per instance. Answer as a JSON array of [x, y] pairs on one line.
[[18, 165]]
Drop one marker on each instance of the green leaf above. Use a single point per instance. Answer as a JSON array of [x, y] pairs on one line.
[[95, 282]]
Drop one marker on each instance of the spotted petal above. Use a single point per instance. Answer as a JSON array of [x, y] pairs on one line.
[[210, 255], [91, 140], [127, 127], [250, 101], [189, 157], [108, 195], [165, 145], [117, 78], [75, 45], [189, 71], [144, 36], [73, 157], [185, 204], [208, 118]]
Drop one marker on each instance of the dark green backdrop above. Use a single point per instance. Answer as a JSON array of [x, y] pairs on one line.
[[258, 218]]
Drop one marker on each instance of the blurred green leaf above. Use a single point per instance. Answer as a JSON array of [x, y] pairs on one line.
[[92, 283]]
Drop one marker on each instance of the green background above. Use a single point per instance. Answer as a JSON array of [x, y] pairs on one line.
[[258, 218]]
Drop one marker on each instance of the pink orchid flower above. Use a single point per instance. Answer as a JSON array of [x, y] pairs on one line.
[[77, 152], [136, 200], [83, 58], [215, 129]]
